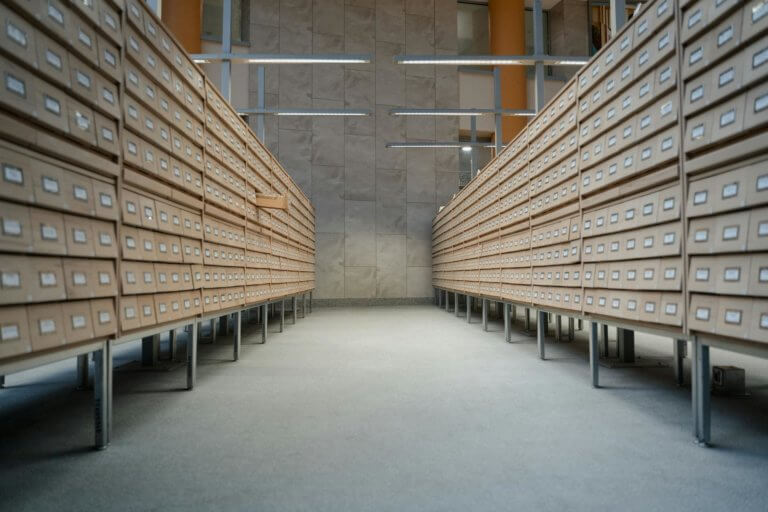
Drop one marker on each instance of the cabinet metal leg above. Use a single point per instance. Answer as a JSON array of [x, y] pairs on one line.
[[303, 305], [310, 303], [514, 314], [150, 350], [606, 346], [594, 354], [558, 327], [679, 347], [625, 345], [2, 381], [82, 371], [282, 314], [101, 396], [541, 332], [294, 303], [700, 392], [570, 328], [507, 333], [469, 309], [264, 324], [173, 346], [236, 341], [192, 358], [213, 330], [457, 300], [485, 314], [528, 319], [447, 300]]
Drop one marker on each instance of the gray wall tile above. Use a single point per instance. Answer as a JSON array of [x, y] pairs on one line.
[[360, 233], [266, 12], [420, 7], [328, 17], [328, 199], [389, 128], [390, 266], [330, 265], [390, 201], [390, 77], [328, 79], [419, 281], [360, 282], [390, 21], [360, 182]]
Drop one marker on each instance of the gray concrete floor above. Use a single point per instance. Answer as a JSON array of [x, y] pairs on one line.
[[388, 408]]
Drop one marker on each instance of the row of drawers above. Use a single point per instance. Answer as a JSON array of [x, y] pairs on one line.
[[31, 96], [737, 317], [30, 179], [25, 329], [28, 279], [35, 230]]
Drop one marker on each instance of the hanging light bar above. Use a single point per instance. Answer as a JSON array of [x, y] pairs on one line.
[[468, 112], [456, 144], [278, 58], [304, 112], [491, 60]]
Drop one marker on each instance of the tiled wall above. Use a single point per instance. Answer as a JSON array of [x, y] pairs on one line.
[[374, 205]]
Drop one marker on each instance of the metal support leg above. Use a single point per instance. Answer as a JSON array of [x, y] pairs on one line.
[[150, 347], [507, 333], [606, 346], [625, 345], [294, 303], [570, 328], [310, 303], [237, 338], [2, 381], [700, 392], [264, 324], [594, 355], [514, 314], [173, 345], [101, 396], [282, 314], [82, 371], [679, 347], [456, 308], [303, 305], [439, 298], [447, 300], [469, 308], [581, 324], [213, 330], [558, 327], [528, 319], [192, 358], [541, 332], [485, 314]]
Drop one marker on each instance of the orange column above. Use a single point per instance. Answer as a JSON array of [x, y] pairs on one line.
[[507, 32], [184, 19]]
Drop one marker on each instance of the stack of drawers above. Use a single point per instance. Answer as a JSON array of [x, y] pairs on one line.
[[725, 51], [130, 188], [161, 203], [59, 146], [600, 206]]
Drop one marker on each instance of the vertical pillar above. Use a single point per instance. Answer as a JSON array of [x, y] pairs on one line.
[[507, 37], [264, 324], [192, 358], [101, 397], [497, 105], [485, 314], [226, 47], [679, 347], [541, 331], [282, 314], [82, 371], [507, 333], [237, 339], [618, 14], [625, 345], [261, 103], [700, 383], [538, 49], [473, 139], [594, 355]]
